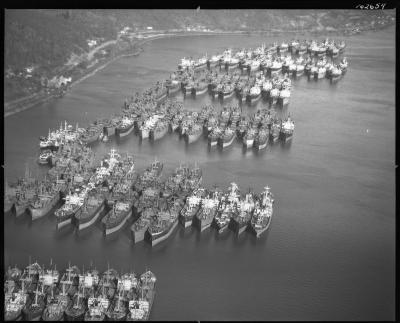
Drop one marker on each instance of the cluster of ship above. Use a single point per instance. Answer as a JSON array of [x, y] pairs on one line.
[[259, 73], [115, 194], [39, 293]]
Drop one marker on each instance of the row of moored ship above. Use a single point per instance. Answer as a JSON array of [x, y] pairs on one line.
[[36, 293]]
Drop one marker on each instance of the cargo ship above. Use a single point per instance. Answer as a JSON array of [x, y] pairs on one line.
[[58, 301], [140, 309], [254, 95], [227, 137], [126, 292], [76, 311], [93, 205], [73, 206], [227, 208], [287, 129], [262, 214], [190, 208], [261, 139], [118, 215], [16, 296], [164, 224], [193, 133], [241, 218], [159, 131], [209, 206], [139, 228], [124, 127], [48, 196]]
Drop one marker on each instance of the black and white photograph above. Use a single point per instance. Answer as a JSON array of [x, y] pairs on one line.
[[200, 164]]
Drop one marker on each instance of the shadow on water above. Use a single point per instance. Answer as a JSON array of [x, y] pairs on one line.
[[223, 236], [261, 241], [239, 240], [186, 233], [63, 233]]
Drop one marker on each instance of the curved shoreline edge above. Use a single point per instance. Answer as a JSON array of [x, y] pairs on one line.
[[48, 97]]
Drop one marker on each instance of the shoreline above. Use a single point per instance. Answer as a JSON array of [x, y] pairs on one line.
[[47, 97]]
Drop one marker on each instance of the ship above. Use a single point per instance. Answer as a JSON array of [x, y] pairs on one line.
[[124, 127], [48, 197], [15, 296], [127, 291], [193, 133], [261, 139], [249, 137], [254, 95], [140, 309], [213, 61], [58, 301], [173, 86], [287, 129], [45, 157], [226, 91], [92, 134], [214, 135], [284, 97], [162, 226], [241, 218], [139, 228], [72, 207], [91, 209], [159, 131], [209, 206], [111, 125], [190, 208], [336, 74], [199, 88], [274, 133], [119, 214], [35, 305], [227, 137], [273, 96], [262, 214], [77, 309], [275, 68], [283, 47], [266, 89], [97, 305], [227, 208]]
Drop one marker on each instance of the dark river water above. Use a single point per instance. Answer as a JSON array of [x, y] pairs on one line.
[[330, 250]]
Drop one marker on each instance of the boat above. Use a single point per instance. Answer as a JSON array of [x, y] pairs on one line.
[[93, 205], [35, 305], [226, 91], [199, 88], [261, 139], [266, 88], [241, 218], [227, 208], [140, 309], [343, 65], [47, 198], [273, 96], [249, 137], [227, 137], [15, 296], [190, 208], [336, 74], [162, 226], [283, 47], [284, 97], [274, 133], [45, 157], [214, 135], [208, 209], [139, 228], [73, 206], [119, 214], [159, 131], [193, 133], [77, 309], [124, 127], [287, 129], [262, 214], [254, 95]]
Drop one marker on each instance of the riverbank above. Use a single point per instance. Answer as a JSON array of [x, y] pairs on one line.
[[32, 100]]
